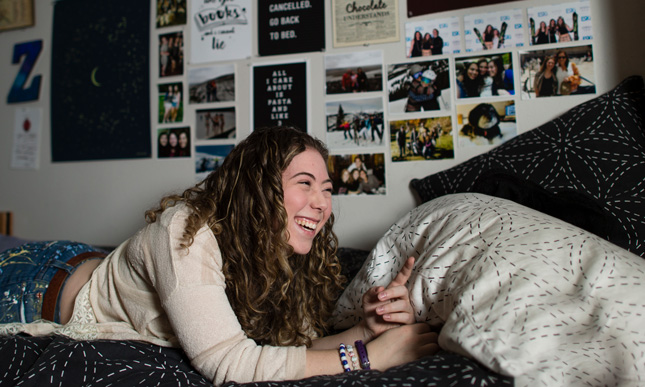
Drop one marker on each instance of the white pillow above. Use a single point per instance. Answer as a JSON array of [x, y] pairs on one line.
[[523, 293]]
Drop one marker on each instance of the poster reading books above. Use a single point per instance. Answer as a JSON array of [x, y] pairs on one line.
[[280, 95], [290, 27], [220, 30], [358, 22]]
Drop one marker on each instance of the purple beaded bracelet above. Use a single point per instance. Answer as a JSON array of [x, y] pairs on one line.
[[362, 354]]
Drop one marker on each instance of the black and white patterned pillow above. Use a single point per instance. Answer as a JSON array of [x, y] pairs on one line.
[[523, 293], [596, 151]]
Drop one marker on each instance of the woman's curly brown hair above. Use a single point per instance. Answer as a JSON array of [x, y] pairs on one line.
[[277, 295]]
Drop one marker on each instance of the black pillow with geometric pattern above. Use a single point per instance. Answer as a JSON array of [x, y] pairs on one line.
[[596, 150]]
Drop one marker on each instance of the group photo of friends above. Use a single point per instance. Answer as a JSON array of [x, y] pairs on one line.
[[557, 72], [560, 23], [171, 54], [485, 76], [358, 174], [494, 30], [355, 123], [354, 72], [171, 13], [419, 86], [171, 103], [432, 37], [173, 142], [422, 139]]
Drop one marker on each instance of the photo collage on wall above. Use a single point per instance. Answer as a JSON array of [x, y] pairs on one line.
[[454, 85], [479, 80]]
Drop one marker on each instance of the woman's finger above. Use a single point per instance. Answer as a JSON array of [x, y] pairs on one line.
[[403, 275]]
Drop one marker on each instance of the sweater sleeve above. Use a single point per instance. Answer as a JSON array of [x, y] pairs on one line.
[[191, 288]]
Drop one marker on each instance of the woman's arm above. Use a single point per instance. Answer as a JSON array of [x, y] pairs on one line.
[[394, 347]]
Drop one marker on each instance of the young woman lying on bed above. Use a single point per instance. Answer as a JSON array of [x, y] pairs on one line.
[[523, 293], [239, 271]]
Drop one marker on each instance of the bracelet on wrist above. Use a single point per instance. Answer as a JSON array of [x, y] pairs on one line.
[[362, 354], [342, 351], [352, 357]]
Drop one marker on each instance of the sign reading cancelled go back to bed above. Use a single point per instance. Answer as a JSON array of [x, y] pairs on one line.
[[288, 27], [280, 95]]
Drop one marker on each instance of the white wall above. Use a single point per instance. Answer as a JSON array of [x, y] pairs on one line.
[[102, 202]]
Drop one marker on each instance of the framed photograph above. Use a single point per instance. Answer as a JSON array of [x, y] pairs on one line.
[[16, 14]]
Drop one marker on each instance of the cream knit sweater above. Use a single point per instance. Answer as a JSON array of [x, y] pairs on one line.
[[171, 297]]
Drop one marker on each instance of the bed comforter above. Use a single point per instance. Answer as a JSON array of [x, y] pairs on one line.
[[523, 293]]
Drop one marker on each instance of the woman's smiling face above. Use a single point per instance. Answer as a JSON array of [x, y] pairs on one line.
[[307, 198], [473, 71]]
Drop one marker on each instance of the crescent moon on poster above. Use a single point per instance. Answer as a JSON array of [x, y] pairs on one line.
[[93, 77]]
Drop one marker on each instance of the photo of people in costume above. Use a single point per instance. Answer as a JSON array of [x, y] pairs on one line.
[[422, 139], [419, 86], [557, 72]]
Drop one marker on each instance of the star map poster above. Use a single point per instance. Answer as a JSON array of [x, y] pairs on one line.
[[100, 94]]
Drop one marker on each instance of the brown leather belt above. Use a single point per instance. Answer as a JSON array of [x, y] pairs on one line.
[[50, 299]]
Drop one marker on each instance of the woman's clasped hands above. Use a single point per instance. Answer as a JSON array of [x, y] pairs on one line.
[[389, 321]]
